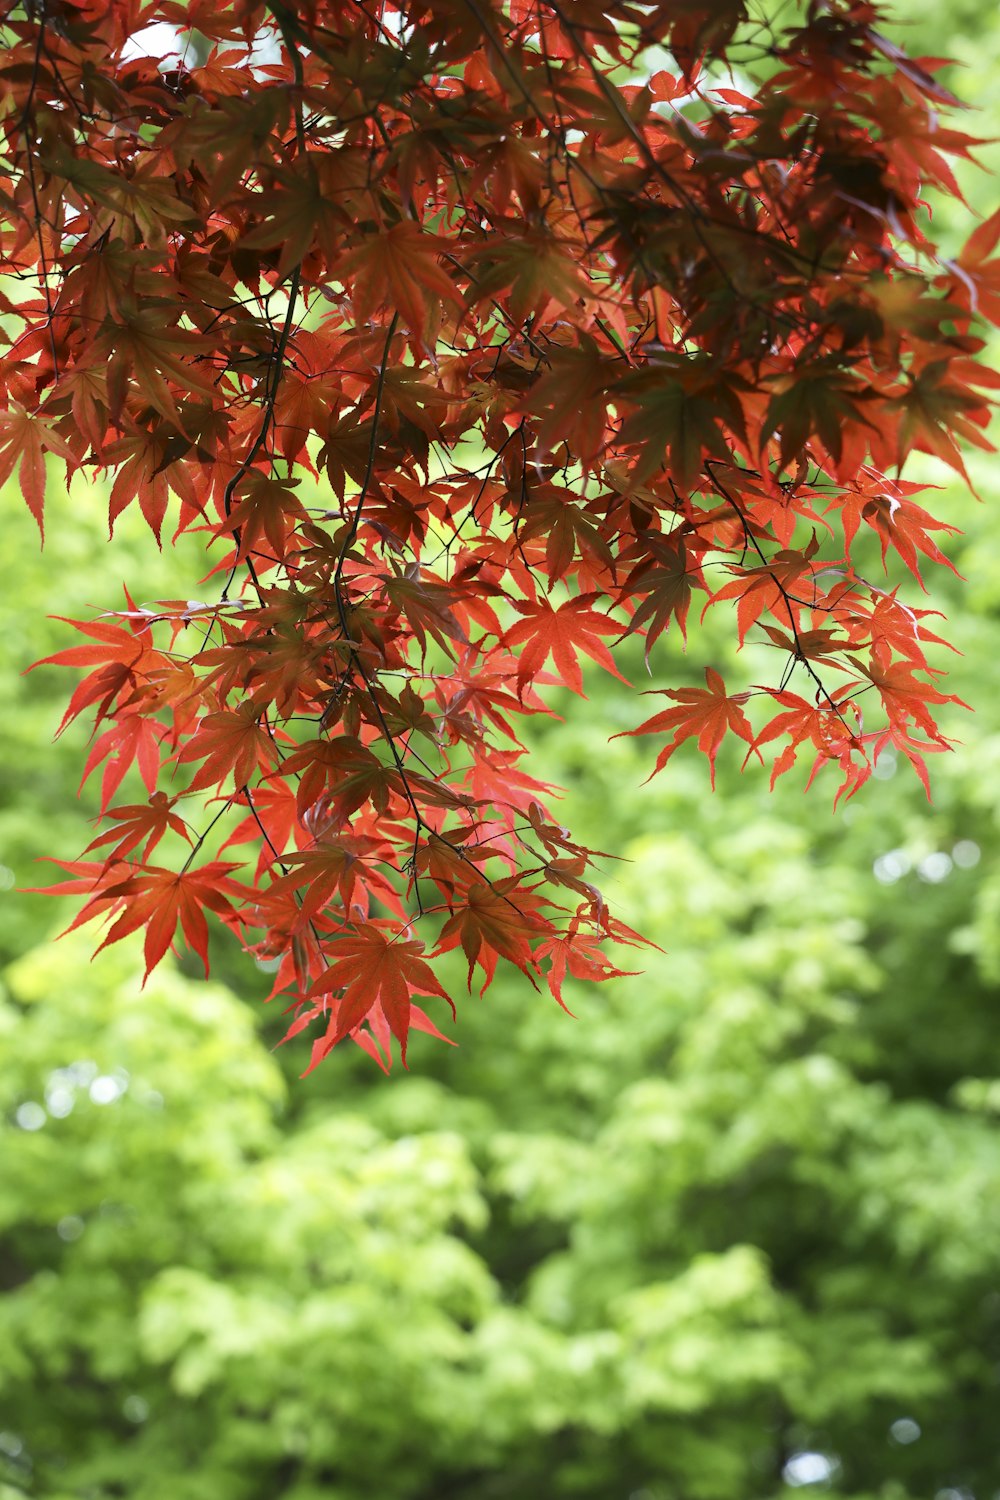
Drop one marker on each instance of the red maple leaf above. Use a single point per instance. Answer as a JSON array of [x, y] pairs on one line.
[[898, 523], [561, 633], [124, 659], [706, 712], [132, 740], [372, 969], [231, 743], [25, 438], [147, 820], [158, 899], [495, 921]]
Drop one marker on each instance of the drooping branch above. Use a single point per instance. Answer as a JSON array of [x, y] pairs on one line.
[[562, 348]]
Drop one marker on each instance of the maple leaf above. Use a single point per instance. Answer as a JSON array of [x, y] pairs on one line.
[[495, 921], [570, 399], [898, 523], [344, 868], [568, 530], [123, 660], [561, 633], [895, 628], [268, 509], [233, 743], [694, 27], [813, 399], [132, 740], [685, 413], [324, 763], [934, 410], [399, 268], [158, 899], [779, 585], [25, 438], [533, 271], [371, 969], [905, 697], [664, 575], [706, 712], [141, 348], [147, 474], [579, 954], [91, 883], [979, 275], [301, 408], [344, 454], [298, 214], [427, 606], [273, 822], [149, 820], [831, 726], [230, 138]]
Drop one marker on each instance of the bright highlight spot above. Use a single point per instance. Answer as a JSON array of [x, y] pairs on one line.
[[135, 1409], [935, 867], [159, 40], [889, 868], [885, 766], [808, 1468], [70, 1228], [105, 1089], [30, 1116], [965, 854], [59, 1101]]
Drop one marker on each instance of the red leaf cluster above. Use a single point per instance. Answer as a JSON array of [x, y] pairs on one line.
[[471, 359]]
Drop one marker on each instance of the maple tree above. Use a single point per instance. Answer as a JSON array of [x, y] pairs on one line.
[[476, 338]]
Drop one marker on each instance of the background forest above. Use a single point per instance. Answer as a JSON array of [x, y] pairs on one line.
[[732, 1232]]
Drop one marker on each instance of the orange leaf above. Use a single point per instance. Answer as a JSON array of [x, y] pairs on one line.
[[705, 712]]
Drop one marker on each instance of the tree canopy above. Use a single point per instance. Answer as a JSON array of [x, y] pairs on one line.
[[476, 340]]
